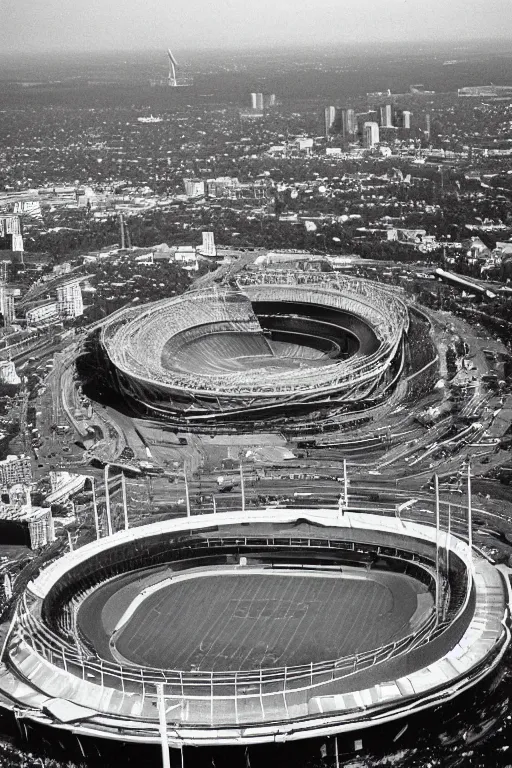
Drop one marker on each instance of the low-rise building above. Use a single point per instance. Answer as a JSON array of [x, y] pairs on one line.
[[8, 373], [186, 255], [304, 144], [42, 313]]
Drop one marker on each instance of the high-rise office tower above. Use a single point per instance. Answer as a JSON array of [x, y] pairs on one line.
[[6, 307], [256, 100], [386, 116], [370, 135], [194, 187], [330, 119], [208, 247], [427, 127], [69, 300], [403, 119], [348, 122], [5, 269], [364, 117]]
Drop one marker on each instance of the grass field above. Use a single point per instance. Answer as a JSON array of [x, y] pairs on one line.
[[245, 621]]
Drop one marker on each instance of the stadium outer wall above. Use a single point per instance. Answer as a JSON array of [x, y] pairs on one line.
[[132, 340], [51, 687]]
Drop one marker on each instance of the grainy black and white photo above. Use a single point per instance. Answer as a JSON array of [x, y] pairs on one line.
[[255, 384]]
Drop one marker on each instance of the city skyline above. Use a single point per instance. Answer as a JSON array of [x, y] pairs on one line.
[[231, 24]]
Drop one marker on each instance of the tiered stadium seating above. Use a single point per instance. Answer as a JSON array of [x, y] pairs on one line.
[[221, 352], [296, 351], [180, 356]]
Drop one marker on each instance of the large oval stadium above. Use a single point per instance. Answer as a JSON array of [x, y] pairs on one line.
[[243, 352], [253, 627]]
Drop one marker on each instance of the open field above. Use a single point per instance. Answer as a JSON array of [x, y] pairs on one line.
[[245, 621]]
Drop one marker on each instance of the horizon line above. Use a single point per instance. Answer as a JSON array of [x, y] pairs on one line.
[[460, 43]]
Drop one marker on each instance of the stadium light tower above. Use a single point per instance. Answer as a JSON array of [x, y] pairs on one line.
[[107, 500], [187, 495], [166, 762], [436, 482], [343, 499], [470, 514], [125, 504], [94, 505], [448, 541], [242, 484]]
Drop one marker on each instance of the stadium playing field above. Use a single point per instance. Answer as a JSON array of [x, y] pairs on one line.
[[250, 620]]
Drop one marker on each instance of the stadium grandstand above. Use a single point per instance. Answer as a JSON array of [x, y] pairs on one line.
[[239, 352], [106, 633]]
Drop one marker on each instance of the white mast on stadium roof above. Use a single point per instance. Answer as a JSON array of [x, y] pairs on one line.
[[166, 761], [187, 495], [242, 484], [107, 499], [470, 515], [448, 541], [94, 505], [125, 504], [436, 483]]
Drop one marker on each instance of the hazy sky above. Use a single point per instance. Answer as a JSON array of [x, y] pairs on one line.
[[32, 25]]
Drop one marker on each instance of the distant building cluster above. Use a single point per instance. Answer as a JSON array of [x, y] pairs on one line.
[[226, 187], [480, 257], [486, 91], [10, 224], [365, 126], [415, 237], [67, 304], [263, 100], [187, 256], [260, 104]]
